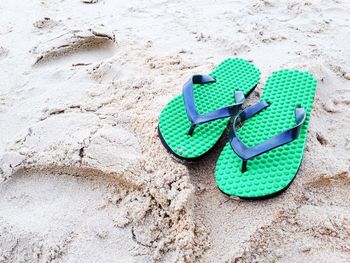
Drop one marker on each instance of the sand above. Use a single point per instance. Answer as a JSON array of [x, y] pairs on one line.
[[83, 175]]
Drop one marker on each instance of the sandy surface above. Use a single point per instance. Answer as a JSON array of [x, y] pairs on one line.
[[84, 177]]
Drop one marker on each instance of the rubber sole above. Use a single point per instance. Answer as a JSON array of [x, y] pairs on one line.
[[271, 173], [231, 75], [183, 159], [266, 197]]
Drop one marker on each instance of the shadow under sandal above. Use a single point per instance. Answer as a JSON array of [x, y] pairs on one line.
[[263, 157], [192, 123]]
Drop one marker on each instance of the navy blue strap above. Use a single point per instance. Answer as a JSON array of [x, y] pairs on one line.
[[191, 109], [247, 153]]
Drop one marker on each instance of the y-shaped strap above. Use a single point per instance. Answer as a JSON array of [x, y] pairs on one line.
[[191, 109], [278, 140]]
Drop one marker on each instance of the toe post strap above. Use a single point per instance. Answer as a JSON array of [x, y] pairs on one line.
[[191, 109], [248, 153]]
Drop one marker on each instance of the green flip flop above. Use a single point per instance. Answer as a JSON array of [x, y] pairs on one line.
[[192, 123], [257, 163]]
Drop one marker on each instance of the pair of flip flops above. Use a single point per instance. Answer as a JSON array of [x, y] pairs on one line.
[[266, 140]]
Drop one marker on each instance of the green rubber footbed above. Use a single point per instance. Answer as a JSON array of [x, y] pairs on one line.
[[231, 75], [271, 172]]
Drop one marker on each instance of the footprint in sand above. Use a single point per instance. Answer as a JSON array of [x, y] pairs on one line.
[[58, 217], [75, 42]]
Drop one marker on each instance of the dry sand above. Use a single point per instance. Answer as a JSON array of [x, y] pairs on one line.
[[84, 177]]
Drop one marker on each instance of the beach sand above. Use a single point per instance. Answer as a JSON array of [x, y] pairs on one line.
[[83, 174]]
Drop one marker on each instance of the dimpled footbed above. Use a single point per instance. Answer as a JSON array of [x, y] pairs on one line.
[[273, 171], [231, 75]]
